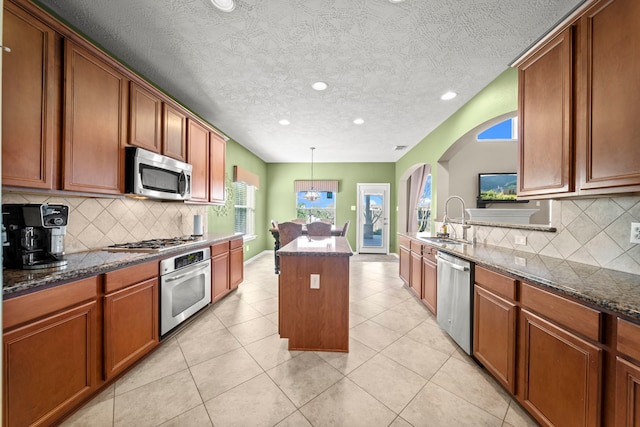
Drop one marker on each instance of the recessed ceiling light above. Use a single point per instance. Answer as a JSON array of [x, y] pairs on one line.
[[319, 86], [449, 95], [396, 1], [358, 121], [284, 122], [224, 5]]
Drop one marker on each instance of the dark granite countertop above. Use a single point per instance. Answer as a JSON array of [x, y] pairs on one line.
[[317, 246], [86, 264], [612, 290]]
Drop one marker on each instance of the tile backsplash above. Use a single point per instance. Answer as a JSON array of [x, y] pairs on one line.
[[98, 222], [589, 231]]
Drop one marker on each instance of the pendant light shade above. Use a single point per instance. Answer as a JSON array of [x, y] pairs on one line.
[[312, 195]]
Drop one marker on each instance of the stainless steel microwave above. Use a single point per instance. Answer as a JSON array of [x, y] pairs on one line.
[[156, 176]]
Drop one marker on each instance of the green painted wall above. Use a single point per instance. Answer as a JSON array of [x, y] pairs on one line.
[[497, 98], [282, 198]]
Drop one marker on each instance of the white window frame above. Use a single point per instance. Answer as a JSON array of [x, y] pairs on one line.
[[250, 208]]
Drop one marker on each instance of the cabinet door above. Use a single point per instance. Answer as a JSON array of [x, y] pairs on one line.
[[217, 153], [494, 335], [627, 393], [144, 118], [95, 123], [610, 137], [236, 270], [429, 282], [130, 325], [545, 113], [198, 157], [49, 366], [415, 277], [31, 92], [174, 135], [561, 374], [220, 274], [405, 264]]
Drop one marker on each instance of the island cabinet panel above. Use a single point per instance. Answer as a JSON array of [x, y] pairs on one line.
[[145, 115], [94, 123], [217, 165], [627, 400], [174, 133], [236, 263], [560, 377], [31, 94], [50, 362], [608, 119], [219, 270], [198, 157], [494, 325], [429, 278], [546, 122]]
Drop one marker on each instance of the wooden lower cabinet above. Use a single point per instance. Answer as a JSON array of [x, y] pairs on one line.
[[236, 263], [219, 270], [415, 274], [429, 280], [405, 264], [130, 325], [494, 335], [560, 376], [627, 393], [50, 361]]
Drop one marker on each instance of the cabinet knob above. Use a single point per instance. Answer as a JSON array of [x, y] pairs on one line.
[[6, 48]]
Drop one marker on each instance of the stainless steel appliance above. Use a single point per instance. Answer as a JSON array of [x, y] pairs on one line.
[[156, 176], [35, 235], [185, 287], [154, 245], [455, 299]]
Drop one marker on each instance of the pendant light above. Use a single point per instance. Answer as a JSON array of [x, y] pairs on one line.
[[312, 195]]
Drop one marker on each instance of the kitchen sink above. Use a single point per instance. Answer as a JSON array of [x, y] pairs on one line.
[[440, 241]]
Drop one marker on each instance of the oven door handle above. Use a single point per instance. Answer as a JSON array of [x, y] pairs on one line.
[[180, 276]]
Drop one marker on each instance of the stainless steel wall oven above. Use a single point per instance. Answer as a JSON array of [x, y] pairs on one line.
[[185, 287]]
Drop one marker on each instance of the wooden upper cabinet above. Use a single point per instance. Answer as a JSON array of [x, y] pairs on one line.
[[31, 101], [608, 124], [94, 123], [174, 133], [217, 164], [546, 125], [145, 114], [198, 157]]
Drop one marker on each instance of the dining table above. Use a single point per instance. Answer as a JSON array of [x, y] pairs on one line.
[[336, 230]]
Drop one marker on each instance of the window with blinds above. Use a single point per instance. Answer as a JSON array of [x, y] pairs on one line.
[[244, 208]]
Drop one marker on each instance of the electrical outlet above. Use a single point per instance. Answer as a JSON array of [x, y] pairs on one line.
[[635, 232], [520, 240], [315, 281], [520, 261]]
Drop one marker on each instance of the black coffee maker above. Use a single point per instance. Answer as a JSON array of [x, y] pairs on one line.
[[34, 235]]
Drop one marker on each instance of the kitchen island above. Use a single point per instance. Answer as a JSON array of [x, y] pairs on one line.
[[314, 293]]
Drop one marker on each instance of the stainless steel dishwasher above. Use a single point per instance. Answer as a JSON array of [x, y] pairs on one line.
[[455, 299]]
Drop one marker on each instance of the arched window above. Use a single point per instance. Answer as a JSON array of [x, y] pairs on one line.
[[503, 131]]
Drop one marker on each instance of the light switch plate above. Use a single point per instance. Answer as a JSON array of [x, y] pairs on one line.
[[315, 281], [635, 232]]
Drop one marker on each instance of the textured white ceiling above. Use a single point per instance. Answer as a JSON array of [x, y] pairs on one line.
[[386, 63]]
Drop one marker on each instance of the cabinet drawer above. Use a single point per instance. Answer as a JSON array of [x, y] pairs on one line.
[[41, 303], [628, 339], [404, 242], [219, 248], [496, 282], [124, 277], [429, 252], [416, 246], [235, 243], [574, 316]]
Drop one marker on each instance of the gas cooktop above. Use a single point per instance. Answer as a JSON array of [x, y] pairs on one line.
[[154, 245]]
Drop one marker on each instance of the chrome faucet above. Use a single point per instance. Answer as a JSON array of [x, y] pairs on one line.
[[465, 226]]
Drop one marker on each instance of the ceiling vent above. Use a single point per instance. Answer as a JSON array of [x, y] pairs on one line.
[[400, 147]]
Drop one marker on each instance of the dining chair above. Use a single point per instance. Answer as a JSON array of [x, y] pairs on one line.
[[319, 228], [274, 224], [299, 221], [289, 231], [343, 233]]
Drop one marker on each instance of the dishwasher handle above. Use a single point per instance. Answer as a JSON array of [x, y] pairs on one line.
[[452, 265]]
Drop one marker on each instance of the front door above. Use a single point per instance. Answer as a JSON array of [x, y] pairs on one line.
[[373, 219]]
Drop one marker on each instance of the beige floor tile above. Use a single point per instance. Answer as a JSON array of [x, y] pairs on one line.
[[304, 377], [518, 417], [196, 417], [384, 299], [237, 313], [366, 309], [388, 381], [271, 351], [474, 385], [266, 306], [400, 422], [399, 321], [346, 404], [374, 335], [434, 406], [295, 420], [199, 346], [217, 375], [98, 414], [420, 358], [257, 402], [253, 294], [355, 319], [253, 330], [157, 402], [347, 362], [166, 360], [430, 334]]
